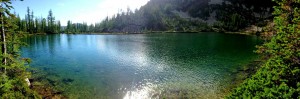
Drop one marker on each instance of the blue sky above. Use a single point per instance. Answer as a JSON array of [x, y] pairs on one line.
[[89, 11]]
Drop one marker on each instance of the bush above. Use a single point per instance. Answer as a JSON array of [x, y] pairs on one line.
[[279, 76]]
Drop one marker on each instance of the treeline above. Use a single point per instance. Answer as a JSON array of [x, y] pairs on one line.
[[33, 25], [78, 28], [156, 15], [185, 16], [233, 15], [165, 15]]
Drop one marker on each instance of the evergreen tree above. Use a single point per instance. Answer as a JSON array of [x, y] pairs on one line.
[[58, 28], [279, 76], [51, 21], [44, 25], [28, 20], [32, 25], [37, 26], [69, 27], [13, 72]]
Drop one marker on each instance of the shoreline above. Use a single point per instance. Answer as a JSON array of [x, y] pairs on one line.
[[242, 74], [153, 32], [47, 89]]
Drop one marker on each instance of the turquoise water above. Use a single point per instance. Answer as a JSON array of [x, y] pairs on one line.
[[140, 65]]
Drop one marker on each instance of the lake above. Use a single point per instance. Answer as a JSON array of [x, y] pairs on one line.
[[138, 66]]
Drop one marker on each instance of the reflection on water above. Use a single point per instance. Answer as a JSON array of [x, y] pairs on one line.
[[141, 66], [145, 92]]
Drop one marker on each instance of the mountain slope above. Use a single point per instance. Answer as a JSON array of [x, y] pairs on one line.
[[189, 16]]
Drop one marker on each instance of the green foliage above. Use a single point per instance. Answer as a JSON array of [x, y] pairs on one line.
[[78, 27], [13, 84], [156, 15], [234, 15], [13, 70], [279, 76], [33, 25], [185, 25], [189, 16], [183, 16], [52, 27]]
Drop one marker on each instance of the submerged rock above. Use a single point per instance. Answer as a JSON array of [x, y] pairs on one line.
[[28, 82], [67, 80]]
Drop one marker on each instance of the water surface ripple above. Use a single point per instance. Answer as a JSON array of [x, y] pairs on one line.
[[140, 65]]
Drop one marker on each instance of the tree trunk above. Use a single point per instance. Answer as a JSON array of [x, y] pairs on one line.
[[3, 45]]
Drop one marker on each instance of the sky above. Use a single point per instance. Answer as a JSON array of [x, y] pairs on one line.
[[78, 11]]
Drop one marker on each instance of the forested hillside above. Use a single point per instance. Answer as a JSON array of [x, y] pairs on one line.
[[184, 16], [165, 15]]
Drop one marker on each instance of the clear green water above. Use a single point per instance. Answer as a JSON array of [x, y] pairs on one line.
[[140, 66]]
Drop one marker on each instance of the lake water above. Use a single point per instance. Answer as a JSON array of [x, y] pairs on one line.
[[138, 66]]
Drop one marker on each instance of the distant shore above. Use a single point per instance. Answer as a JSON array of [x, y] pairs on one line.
[[151, 32]]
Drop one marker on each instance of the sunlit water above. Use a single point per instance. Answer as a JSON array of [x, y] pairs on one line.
[[139, 66]]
